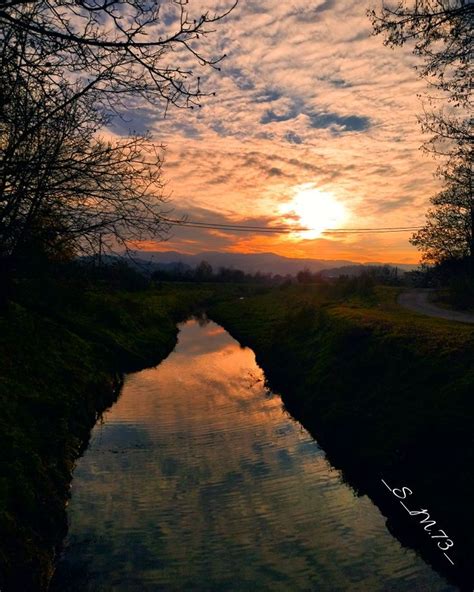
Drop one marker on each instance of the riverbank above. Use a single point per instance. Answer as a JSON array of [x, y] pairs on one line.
[[197, 479], [62, 354], [386, 392]]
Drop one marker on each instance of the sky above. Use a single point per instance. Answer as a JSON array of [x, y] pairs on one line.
[[314, 124]]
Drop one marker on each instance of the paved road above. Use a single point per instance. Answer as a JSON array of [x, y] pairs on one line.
[[418, 301]]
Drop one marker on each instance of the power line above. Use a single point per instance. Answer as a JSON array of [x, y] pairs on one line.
[[286, 229]]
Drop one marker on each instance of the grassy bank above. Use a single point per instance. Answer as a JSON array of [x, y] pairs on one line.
[[388, 394], [62, 352]]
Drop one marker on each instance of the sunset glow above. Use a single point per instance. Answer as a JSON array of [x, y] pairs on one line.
[[316, 210], [286, 143]]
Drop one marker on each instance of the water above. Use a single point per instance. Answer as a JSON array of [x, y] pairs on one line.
[[198, 480]]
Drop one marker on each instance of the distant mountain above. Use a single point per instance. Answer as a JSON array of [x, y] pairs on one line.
[[250, 262]]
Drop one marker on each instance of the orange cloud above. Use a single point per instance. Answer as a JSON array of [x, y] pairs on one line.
[[306, 96]]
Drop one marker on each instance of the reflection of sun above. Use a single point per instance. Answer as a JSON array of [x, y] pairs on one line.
[[316, 210]]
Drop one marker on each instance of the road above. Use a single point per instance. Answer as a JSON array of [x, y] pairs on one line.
[[418, 301]]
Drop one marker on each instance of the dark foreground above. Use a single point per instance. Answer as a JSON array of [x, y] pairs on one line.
[[63, 351], [198, 479], [387, 393]]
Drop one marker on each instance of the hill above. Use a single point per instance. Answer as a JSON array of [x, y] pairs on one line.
[[249, 262]]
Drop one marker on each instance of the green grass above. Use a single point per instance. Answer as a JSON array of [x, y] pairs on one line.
[[62, 352], [386, 391]]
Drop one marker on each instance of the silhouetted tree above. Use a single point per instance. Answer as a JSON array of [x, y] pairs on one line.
[[115, 47], [442, 35], [449, 229], [304, 276], [63, 189], [203, 271], [226, 274], [66, 65]]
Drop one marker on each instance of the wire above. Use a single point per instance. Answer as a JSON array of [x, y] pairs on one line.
[[285, 229]]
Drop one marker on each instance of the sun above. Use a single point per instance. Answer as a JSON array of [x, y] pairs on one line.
[[316, 210]]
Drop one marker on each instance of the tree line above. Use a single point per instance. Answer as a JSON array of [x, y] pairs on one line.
[[204, 272]]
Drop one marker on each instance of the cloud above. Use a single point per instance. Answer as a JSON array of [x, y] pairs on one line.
[[304, 13], [350, 123], [270, 116], [267, 95], [337, 123], [134, 120], [306, 96], [276, 172], [293, 138]]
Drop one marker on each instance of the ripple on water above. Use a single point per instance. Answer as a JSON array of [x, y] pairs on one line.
[[198, 480]]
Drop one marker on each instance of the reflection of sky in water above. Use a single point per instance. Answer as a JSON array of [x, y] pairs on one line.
[[198, 480]]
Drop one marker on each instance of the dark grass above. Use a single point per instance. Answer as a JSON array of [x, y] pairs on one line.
[[388, 393], [62, 353]]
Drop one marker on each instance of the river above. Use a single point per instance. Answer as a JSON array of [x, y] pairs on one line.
[[197, 479]]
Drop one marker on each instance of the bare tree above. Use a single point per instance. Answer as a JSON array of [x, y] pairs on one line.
[[116, 47], [203, 271], [65, 66], [65, 189], [441, 32]]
